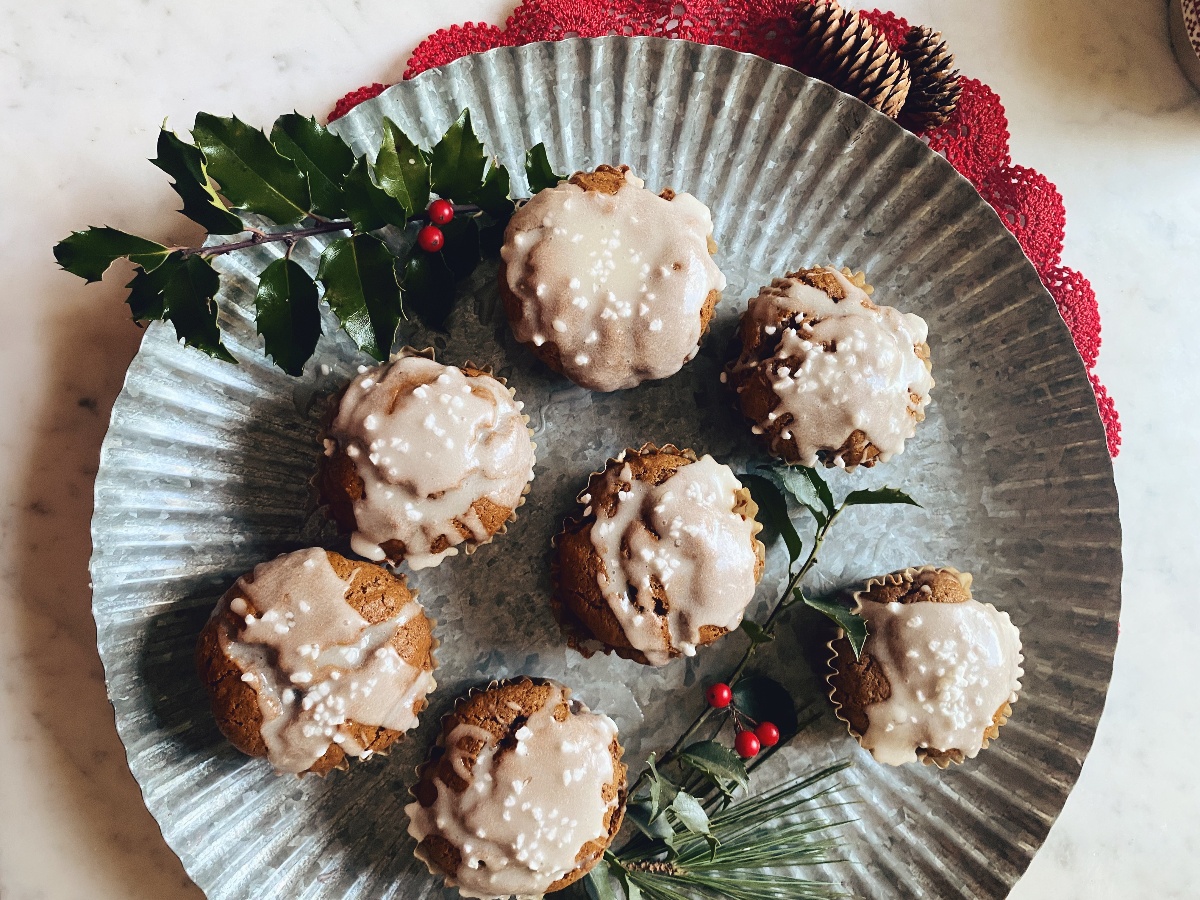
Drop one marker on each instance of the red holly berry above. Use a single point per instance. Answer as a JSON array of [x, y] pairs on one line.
[[430, 239], [719, 696], [441, 212], [746, 744], [767, 734]]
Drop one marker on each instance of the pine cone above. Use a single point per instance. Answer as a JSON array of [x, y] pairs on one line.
[[935, 84], [841, 48]]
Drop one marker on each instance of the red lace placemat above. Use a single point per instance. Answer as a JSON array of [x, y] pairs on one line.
[[975, 140]]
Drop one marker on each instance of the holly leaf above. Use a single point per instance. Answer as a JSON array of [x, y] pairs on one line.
[[538, 172], [764, 699], [187, 165], [755, 632], [461, 251], [287, 314], [145, 299], [656, 827], [359, 277], [492, 196], [401, 171], [323, 157], [773, 511], [429, 289], [368, 205], [89, 253], [690, 813], [716, 761], [189, 293], [457, 161], [253, 175], [854, 627], [662, 790], [600, 883], [877, 496], [809, 489]]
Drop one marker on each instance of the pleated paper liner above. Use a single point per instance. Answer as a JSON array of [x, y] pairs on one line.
[[205, 472]]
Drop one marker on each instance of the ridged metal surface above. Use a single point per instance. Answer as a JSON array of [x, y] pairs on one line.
[[204, 473]]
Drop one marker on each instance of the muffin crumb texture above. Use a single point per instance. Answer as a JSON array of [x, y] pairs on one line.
[[423, 458], [664, 558], [607, 282], [938, 673], [313, 658], [522, 794], [825, 375]]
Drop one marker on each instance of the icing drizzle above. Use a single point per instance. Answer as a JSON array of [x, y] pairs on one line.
[[951, 667], [528, 809], [315, 663], [684, 541], [837, 366], [429, 442], [615, 281]]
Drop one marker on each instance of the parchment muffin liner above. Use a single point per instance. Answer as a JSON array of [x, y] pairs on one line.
[[929, 756], [323, 508], [440, 743], [434, 643], [857, 450], [579, 638]]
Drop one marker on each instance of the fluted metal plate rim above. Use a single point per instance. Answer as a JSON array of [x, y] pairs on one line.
[[203, 468]]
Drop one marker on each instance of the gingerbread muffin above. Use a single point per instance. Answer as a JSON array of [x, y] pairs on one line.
[[607, 282], [662, 559], [423, 458], [826, 375], [522, 794], [938, 674], [313, 658]]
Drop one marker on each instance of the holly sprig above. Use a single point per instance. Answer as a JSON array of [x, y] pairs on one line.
[[389, 263], [695, 835]]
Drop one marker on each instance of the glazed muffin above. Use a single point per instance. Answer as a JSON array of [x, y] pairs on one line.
[[313, 658], [825, 375], [938, 673], [423, 458], [663, 557], [522, 794], [607, 282]]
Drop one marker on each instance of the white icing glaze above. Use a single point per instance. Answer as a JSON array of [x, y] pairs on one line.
[[527, 811], [951, 666], [685, 535], [428, 441], [615, 281], [851, 366], [315, 663]]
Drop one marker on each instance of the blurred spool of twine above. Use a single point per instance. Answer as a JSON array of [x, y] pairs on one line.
[[1185, 36]]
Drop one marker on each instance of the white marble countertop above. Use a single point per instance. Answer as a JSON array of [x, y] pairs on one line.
[[1094, 101]]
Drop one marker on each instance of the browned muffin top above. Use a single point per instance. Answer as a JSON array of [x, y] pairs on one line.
[[312, 658], [663, 559], [522, 794]]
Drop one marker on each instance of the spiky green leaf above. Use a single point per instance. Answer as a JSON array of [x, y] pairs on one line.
[[538, 172], [716, 761], [457, 161], [146, 302], [253, 175], [877, 496], [287, 314], [690, 813], [359, 277], [401, 171], [640, 814], [755, 632], [189, 301], [187, 165], [764, 699], [323, 157], [773, 512], [90, 252], [808, 488], [461, 251], [429, 288], [854, 627], [600, 884], [492, 196], [368, 205]]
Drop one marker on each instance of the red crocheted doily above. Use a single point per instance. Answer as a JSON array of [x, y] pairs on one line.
[[975, 140]]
